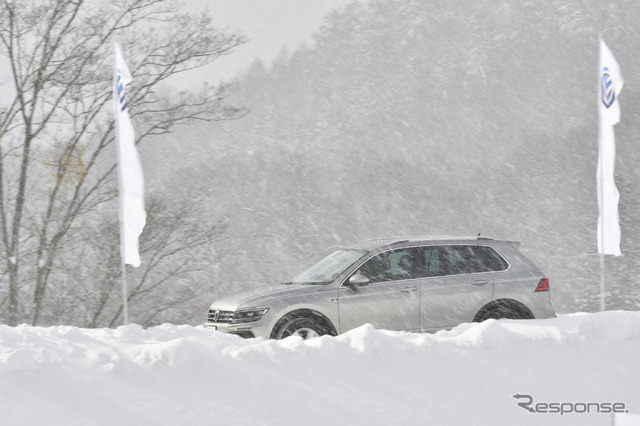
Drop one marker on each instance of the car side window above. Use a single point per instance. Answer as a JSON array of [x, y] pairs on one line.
[[432, 261], [463, 259], [458, 260], [394, 266], [491, 259], [376, 268]]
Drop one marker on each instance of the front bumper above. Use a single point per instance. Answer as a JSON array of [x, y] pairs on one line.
[[248, 330]]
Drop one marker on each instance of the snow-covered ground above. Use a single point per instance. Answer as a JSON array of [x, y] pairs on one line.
[[183, 375]]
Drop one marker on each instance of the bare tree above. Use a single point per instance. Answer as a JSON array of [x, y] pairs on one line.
[[178, 247], [56, 128]]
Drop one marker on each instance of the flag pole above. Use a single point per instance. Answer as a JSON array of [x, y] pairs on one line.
[[600, 196], [125, 308], [601, 211], [602, 283], [600, 188]]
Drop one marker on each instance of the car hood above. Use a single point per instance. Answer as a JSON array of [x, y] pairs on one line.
[[262, 296]]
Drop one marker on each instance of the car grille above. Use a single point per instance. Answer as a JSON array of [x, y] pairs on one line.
[[216, 315]]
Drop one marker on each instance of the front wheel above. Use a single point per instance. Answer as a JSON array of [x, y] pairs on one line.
[[303, 327]]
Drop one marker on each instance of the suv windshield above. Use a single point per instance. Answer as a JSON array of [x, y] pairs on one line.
[[330, 267]]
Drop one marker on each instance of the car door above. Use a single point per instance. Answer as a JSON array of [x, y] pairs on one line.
[[390, 301], [457, 285]]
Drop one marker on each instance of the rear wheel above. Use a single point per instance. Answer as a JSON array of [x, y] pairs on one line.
[[301, 326], [504, 309]]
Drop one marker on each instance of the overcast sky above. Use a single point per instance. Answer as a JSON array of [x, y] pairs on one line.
[[269, 25]]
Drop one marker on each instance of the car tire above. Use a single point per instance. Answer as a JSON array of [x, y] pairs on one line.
[[306, 328], [504, 310]]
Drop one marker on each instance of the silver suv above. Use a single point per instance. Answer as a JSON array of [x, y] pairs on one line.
[[412, 284]]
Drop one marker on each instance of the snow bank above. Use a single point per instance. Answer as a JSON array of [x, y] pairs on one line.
[[171, 375]]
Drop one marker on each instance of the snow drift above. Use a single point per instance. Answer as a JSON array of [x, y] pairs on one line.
[[473, 374]]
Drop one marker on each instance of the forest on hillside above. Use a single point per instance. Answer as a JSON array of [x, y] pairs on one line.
[[429, 118]]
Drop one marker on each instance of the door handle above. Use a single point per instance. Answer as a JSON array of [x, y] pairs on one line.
[[480, 282], [409, 289]]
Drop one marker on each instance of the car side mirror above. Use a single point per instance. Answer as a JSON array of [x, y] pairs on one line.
[[358, 280]]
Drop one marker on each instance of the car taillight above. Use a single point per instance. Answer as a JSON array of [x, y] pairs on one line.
[[543, 285]]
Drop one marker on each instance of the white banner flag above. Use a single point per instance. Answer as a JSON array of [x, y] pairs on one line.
[[130, 178], [609, 85]]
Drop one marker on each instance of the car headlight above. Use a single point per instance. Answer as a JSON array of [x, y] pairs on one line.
[[249, 314]]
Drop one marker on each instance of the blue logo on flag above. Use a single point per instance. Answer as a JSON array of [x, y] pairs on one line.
[[120, 90], [607, 89]]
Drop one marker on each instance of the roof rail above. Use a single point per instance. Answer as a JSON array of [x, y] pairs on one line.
[[390, 241]]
